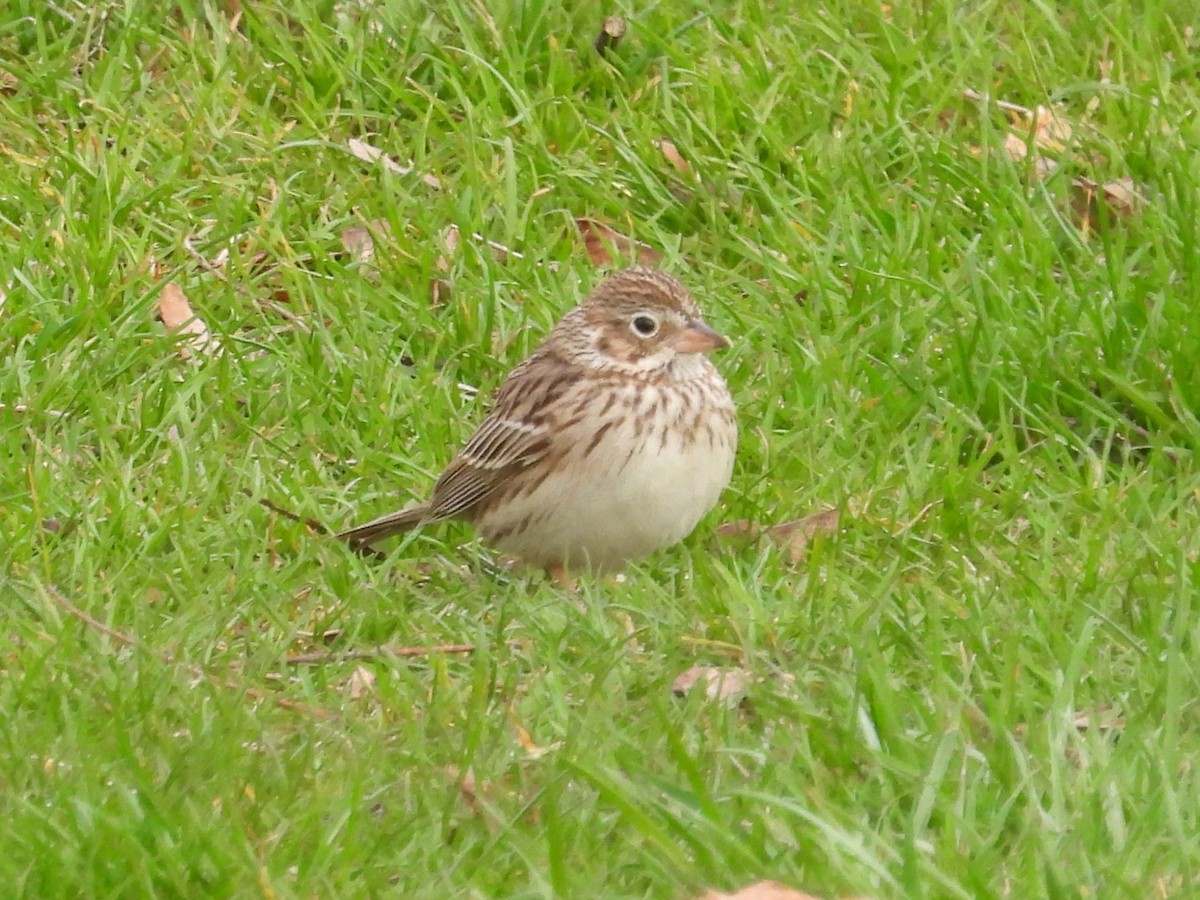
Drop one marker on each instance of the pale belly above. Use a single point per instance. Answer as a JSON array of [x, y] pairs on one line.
[[612, 506]]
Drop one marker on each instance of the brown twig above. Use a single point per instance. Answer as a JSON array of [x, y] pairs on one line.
[[195, 671], [287, 514], [119, 636], [309, 659], [217, 268], [1003, 105], [610, 35]]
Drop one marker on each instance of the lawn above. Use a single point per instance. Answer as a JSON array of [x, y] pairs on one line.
[[955, 246]]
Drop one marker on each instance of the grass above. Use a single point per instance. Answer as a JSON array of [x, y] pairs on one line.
[[1003, 407]]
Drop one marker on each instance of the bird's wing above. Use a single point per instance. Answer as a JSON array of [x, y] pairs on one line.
[[521, 430]]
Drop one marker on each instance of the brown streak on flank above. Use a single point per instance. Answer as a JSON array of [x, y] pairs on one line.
[[500, 534], [660, 405], [639, 426], [579, 407], [539, 475], [653, 398], [633, 448], [597, 437], [612, 398]]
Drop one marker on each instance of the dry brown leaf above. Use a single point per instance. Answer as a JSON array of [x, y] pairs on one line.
[[1050, 130], [794, 536], [1119, 198], [672, 155], [1103, 720], [176, 313], [362, 150], [601, 241], [469, 791], [736, 528], [531, 748], [440, 292], [726, 685], [361, 683], [1016, 148], [326, 637], [358, 243], [1122, 197], [762, 890], [1032, 130], [466, 786], [450, 239]]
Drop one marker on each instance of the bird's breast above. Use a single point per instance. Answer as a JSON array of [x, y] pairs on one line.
[[634, 469]]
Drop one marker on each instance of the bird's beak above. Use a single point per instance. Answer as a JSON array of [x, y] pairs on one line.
[[697, 337]]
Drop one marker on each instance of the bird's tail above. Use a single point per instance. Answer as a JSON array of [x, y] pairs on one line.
[[361, 537]]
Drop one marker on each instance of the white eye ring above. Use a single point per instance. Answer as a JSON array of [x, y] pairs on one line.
[[644, 325]]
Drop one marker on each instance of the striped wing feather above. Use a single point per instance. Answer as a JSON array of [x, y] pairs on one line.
[[517, 434]]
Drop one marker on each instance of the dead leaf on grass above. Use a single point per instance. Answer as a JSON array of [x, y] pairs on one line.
[[672, 155], [176, 314], [1051, 131], [359, 241], [1032, 130], [361, 683], [59, 527], [794, 536], [469, 790], [362, 150], [727, 685], [326, 637], [531, 748], [1016, 148], [605, 245], [440, 292], [1120, 200], [450, 239], [762, 890], [1104, 719], [466, 786]]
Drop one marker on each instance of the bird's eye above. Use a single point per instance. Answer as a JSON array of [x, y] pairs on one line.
[[644, 325]]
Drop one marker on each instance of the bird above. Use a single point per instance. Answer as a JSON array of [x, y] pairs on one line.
[[609, 442]]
